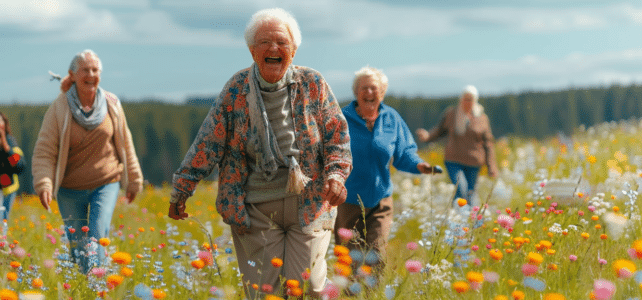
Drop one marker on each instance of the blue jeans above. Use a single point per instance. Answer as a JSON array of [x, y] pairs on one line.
[[465, 178], [94, 209], [7, 202]]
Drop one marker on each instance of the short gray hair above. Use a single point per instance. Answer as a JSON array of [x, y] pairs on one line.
[[471, 90], [368, 71], [82, 56], [272, 14]]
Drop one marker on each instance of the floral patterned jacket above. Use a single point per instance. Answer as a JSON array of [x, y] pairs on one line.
[[321, 133]]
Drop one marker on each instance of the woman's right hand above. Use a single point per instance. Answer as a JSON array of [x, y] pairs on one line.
[[45, 199], [422, 134]]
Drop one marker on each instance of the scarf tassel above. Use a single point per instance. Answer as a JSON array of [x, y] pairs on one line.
[[296, 179]]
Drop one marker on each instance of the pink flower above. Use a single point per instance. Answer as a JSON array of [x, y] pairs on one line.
[[48, 263], [491, 277], [66, 286], [489, 246], [572, 257], [266, 288], [477, 261], [603, 289], [474, 247], [345, 234], [632, 253], [529, 270], [19, 252], [214, 289], [412, 246], [580, 213], [591, 208], [542, 184], [305, 275], [331, 291], [554, 204], [602, 261], [206, 256], [413, 266], [98, 272], [505, 221], [85, 229]]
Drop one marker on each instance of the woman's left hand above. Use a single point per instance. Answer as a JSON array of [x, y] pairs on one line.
[[335, 192]]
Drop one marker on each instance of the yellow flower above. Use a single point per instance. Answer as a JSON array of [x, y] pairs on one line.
[[461, 287], [122, 258], [637, 246], [546, 244], [554, 296], [585, 235], [534, 258], [272, 297], [623, 264], [500, 297]]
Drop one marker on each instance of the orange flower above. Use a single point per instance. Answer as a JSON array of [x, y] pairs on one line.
[[158, 294], [546, 244], [198, 264], [595, 217], [461, 287], [500, 297], [475, 277], [104, 242], [292, 283], [496, 254], [15, 264], [604, 236], [122, 258], [518, 295], [343, 270], [6, 294], [345, 259], [637, 246], [37, 283], [552, 267], [114, 280], [277, 262], [461, 202], [585, 235], [340, 250], [12, 276], [125, 271], [296, 292]]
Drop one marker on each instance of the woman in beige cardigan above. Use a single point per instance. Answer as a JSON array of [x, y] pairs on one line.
[[84, 155], [470, 143]]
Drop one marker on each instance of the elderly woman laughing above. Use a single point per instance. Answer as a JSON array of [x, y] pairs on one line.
[[281, 143]]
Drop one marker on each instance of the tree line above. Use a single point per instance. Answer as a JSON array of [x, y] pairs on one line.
[[162, 132]]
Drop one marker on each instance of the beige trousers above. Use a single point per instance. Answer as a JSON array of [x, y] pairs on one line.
[[275, 232]]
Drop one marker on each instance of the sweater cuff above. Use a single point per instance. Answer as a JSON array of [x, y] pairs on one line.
[[178, 196], [337, 177]]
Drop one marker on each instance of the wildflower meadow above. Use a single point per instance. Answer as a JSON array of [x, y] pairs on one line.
[[561, 221]]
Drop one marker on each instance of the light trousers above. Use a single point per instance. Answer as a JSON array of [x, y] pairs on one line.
[[275, 232]]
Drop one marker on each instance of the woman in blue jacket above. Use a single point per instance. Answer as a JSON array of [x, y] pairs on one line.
[[11, 164], [378, 135]]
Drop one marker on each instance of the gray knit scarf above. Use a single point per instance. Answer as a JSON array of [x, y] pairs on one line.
[[268, 153], [88, 120]]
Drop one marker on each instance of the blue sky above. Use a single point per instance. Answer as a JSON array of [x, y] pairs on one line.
[[173, 49]]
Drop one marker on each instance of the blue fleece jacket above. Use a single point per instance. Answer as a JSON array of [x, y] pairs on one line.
[[390, 139]]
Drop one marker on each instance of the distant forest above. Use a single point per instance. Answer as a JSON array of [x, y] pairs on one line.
[[162, 132]]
